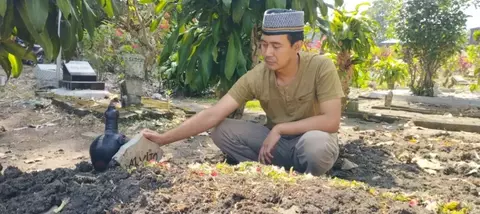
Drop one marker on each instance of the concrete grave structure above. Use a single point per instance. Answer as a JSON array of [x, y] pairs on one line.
[[131, 87], [45, 76], [136, 151], [80, 75]]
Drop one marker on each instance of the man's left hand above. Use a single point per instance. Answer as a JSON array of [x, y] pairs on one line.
[[265, 155]]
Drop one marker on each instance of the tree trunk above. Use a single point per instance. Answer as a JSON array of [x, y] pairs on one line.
[[345, 72], [391, 85]]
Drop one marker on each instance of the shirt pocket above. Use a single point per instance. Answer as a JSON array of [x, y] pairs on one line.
[[304, 97], [300, 104]]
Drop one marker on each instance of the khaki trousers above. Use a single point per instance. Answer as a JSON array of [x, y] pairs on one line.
[[314, 152]]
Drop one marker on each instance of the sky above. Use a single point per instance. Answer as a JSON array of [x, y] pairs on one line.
[[472, 21]]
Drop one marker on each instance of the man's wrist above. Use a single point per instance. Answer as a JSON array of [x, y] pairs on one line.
[[278, 129]]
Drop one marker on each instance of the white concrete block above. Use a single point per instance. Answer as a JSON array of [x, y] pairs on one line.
[[45, 75], [136, 151]]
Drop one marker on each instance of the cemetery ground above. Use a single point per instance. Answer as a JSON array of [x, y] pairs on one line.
[[387, 165]]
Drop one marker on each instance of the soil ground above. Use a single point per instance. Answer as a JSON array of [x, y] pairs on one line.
[[398, 168]]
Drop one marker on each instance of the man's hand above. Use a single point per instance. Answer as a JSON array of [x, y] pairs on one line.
[[153, 136], [265, 155]]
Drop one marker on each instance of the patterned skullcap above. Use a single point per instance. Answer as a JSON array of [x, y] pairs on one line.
[[280, 21]]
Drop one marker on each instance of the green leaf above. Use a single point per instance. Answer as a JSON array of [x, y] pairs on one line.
[[5, 63], [65, 7], [160, 6], [185, 46], [227, 4], [67, 35], [216, 38], [3, 7], [107, 7], [146, 1], [16, 64], [154, 24], [323, 8], [38, 13], [298, 4], [276, 4], [76, 9], [88, 18], [41, 38], [242, 63], [191, 70], [168, 48], [17, 50], [231, 60], [310, 13], [338, 3], [247, 22], [51, 34], [239, 8], [206, 61], [8, 22]]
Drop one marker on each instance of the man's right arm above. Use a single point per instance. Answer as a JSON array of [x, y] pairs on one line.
[[240, 93], [201, 122]]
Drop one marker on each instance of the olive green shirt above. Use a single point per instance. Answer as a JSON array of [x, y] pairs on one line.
[[317, 81]]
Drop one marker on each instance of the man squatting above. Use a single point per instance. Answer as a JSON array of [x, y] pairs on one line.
[[300, 93]]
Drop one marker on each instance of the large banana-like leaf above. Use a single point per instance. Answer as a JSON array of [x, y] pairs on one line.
[[310, 13], [3, 7], [338, 3], [42, 37], [68, 35], [206, 61], [276, 4], [168, 48], [239, 7], [65, 6], [184, 50], [216, 39], [8, 17], [17, 50], [227, 4], [298, 4], [38, 13], [231, 60], [242, 62], [88, 18]]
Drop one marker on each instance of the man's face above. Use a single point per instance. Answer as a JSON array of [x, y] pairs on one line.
[[277, 51]]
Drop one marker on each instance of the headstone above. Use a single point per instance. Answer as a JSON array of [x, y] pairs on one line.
[[388, 99], [78, 71], [460, 80], [352, 105], [134, 65], [80, 75], [131, 87], [3, 80], [436, 90], [45, 75], [136, 151]]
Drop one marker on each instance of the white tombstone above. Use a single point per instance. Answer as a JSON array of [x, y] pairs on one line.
[[45, 75], [134, 66], [136, 151], [131, 87]]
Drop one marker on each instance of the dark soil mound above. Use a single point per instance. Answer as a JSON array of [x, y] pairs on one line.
[[88, 192]]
